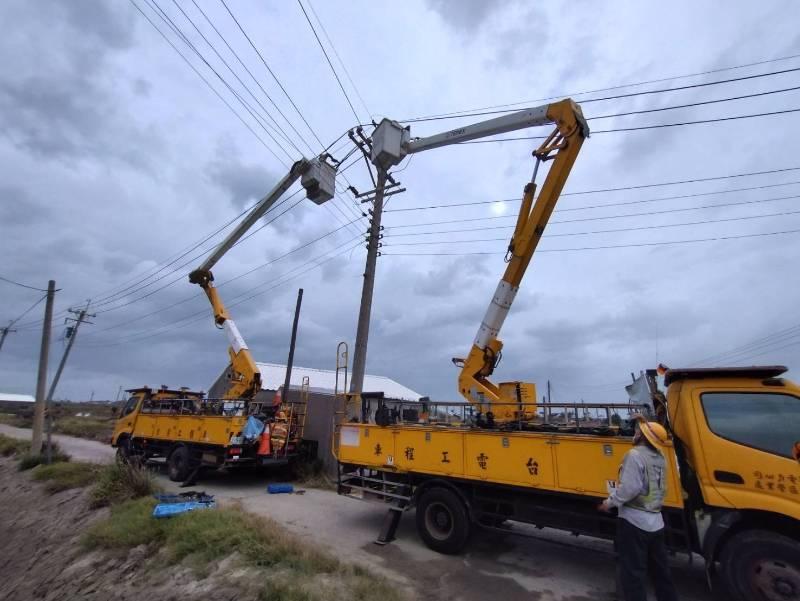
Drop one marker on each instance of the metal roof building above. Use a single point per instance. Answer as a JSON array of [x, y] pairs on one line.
[[321, 381]]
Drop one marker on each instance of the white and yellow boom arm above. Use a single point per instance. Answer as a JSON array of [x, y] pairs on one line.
[[318, 178], [392, 143]]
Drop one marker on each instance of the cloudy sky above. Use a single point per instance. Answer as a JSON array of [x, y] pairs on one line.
[[116, 160]]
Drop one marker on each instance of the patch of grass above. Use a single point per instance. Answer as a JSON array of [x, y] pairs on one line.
[[312, 474], [13, 446], [120, 482], [84, 427], [130, 524], [28, 461], [62, 476], [293, 570]]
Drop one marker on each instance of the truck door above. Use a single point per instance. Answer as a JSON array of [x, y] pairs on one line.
[[748, 437]]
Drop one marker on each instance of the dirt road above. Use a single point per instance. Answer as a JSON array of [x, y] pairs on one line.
[[78, 448], [551, 567]]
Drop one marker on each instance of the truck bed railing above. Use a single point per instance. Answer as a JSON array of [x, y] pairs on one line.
[[604, 418]]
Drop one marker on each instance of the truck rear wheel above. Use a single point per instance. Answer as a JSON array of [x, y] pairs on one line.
[[442, 520], [758, 565], [178, 467]]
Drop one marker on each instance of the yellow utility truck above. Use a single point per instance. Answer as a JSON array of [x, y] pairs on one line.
[[733, 473], [192, 432]]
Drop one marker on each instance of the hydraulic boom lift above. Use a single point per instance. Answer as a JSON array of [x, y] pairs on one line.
[[318, 179], [392, 143]]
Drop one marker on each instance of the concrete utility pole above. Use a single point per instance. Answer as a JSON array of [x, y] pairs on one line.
[[5, 332], [82, 314], [365, 311], [41, 381], [289, 363]]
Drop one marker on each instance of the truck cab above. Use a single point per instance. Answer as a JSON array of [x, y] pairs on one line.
[[736, 433], [138, 397]]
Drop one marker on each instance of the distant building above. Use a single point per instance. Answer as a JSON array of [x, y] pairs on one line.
[[7, 397], [320, 381]]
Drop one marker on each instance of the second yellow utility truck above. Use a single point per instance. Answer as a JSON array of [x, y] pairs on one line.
[[190, 431]]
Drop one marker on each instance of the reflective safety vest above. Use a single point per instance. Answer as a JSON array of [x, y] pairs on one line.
[[655, 470]]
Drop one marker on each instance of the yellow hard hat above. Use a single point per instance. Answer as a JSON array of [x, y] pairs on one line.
[[654, 432]]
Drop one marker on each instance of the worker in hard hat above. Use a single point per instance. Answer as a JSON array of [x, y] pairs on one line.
[[638, 496]]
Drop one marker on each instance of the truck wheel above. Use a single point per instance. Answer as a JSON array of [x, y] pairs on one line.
[[178, 467], [442, 520], [123, 449], [761, 566]]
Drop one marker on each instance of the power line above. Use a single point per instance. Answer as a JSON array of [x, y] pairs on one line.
[[289, 98], [212, 88], [567, 234], [253, 77], [585, 248], [276, 126], [330, 64], [199, 315], [341, 62], [21, 285], [617, 189], [487, 110], [26, 311], [752, 345], [177, 31]]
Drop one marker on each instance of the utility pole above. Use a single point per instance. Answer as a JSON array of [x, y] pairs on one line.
[[365, 311], [41, 381], [548, 391], [82, 314], [286, 382], [5, 332]]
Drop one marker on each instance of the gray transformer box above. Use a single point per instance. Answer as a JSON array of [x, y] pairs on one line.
[[319, 181], [389, 142]]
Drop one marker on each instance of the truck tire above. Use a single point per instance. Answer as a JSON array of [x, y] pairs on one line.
[[443, 521], [178, 466], [123, 449], [758, 565]]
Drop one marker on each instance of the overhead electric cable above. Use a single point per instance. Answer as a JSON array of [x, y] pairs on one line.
[[212, 88], [487, 110], [623, 188], [8, 281], [330, 64], [275, 77], [585, 248]]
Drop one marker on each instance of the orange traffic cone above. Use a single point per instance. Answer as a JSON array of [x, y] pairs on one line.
[[264, 446]]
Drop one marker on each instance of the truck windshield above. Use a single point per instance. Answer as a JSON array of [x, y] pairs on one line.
[[766, 421], [130, 405]]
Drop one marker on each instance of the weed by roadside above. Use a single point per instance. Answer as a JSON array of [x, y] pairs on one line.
[[312, 475], [120, 482], [13, 446], [62, 476], [293, 570], [28, 461]]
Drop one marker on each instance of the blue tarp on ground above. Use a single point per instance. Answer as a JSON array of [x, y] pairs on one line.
[[165, 510]]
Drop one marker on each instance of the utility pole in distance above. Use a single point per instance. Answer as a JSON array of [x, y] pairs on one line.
[[290, 362], [72, 334], [41, 381]]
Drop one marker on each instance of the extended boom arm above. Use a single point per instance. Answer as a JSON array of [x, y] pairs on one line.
[[392, 142], [318, 178]]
